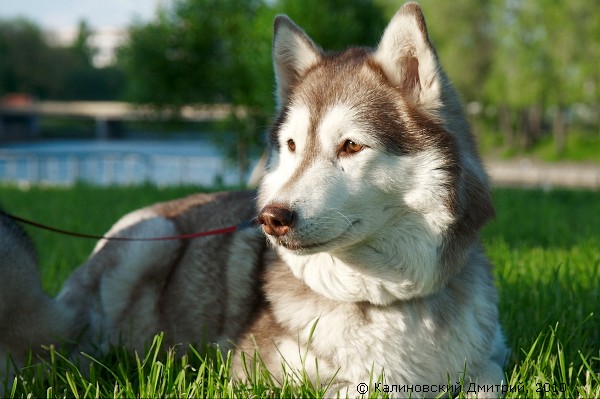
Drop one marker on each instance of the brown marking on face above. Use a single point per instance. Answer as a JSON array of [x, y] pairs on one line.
[[353, 78], [375, 99]]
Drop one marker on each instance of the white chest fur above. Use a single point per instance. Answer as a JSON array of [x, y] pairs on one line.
[[418, 341]]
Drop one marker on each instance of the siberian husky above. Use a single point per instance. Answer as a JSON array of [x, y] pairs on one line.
[[371, 203]]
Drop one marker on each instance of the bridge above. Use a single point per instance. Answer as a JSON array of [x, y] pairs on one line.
[[19, 117]]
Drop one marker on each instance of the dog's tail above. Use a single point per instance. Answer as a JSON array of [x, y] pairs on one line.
[[29, 317]]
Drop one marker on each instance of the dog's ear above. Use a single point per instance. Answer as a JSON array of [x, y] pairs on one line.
[[409, 59], [293, 54]]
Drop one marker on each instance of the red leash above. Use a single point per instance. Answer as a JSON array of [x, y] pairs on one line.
[[225, 230]]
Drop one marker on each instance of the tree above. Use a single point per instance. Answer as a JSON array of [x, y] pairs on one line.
[[28, 64], [81, 48], [85, 81], [567, 57], [219, 50], [337, 24], [539, 62], [189, 53], [520, 67], [590, 70]]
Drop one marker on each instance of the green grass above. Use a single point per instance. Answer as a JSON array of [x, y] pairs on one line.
[[546, 248], [581, 146], [545, 245], [85, 208]]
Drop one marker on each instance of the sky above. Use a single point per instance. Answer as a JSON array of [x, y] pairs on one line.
[[65, 14], [107, 18]]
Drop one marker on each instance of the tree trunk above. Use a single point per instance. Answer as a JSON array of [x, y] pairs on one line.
[[506, 125], [560, 130], [524, 133], [536, 114]]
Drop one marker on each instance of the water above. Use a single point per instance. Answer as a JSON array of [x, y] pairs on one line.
[[131, 161]]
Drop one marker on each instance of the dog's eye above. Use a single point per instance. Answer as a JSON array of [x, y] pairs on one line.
[[350, 147], [291, 145]]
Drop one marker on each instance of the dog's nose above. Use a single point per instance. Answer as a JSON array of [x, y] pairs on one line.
[[276, 219]]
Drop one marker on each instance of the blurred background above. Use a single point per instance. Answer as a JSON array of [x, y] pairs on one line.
[[181, 91]]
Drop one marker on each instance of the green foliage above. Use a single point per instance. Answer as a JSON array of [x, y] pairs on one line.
[[200, 51], [220, 51], [81, 48], [581, 146], [30, 64], [538, 69], [545, 245], [337, 24], [25, 59]]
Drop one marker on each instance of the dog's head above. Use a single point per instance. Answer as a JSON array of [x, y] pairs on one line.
[[371, 163]]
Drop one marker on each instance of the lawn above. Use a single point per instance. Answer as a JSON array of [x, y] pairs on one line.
[[545, 245], [581, 146]]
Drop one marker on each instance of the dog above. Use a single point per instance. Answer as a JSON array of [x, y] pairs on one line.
[[371, 203]]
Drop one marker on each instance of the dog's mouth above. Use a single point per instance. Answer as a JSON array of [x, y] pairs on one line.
[[299, 246], [294, 244]]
